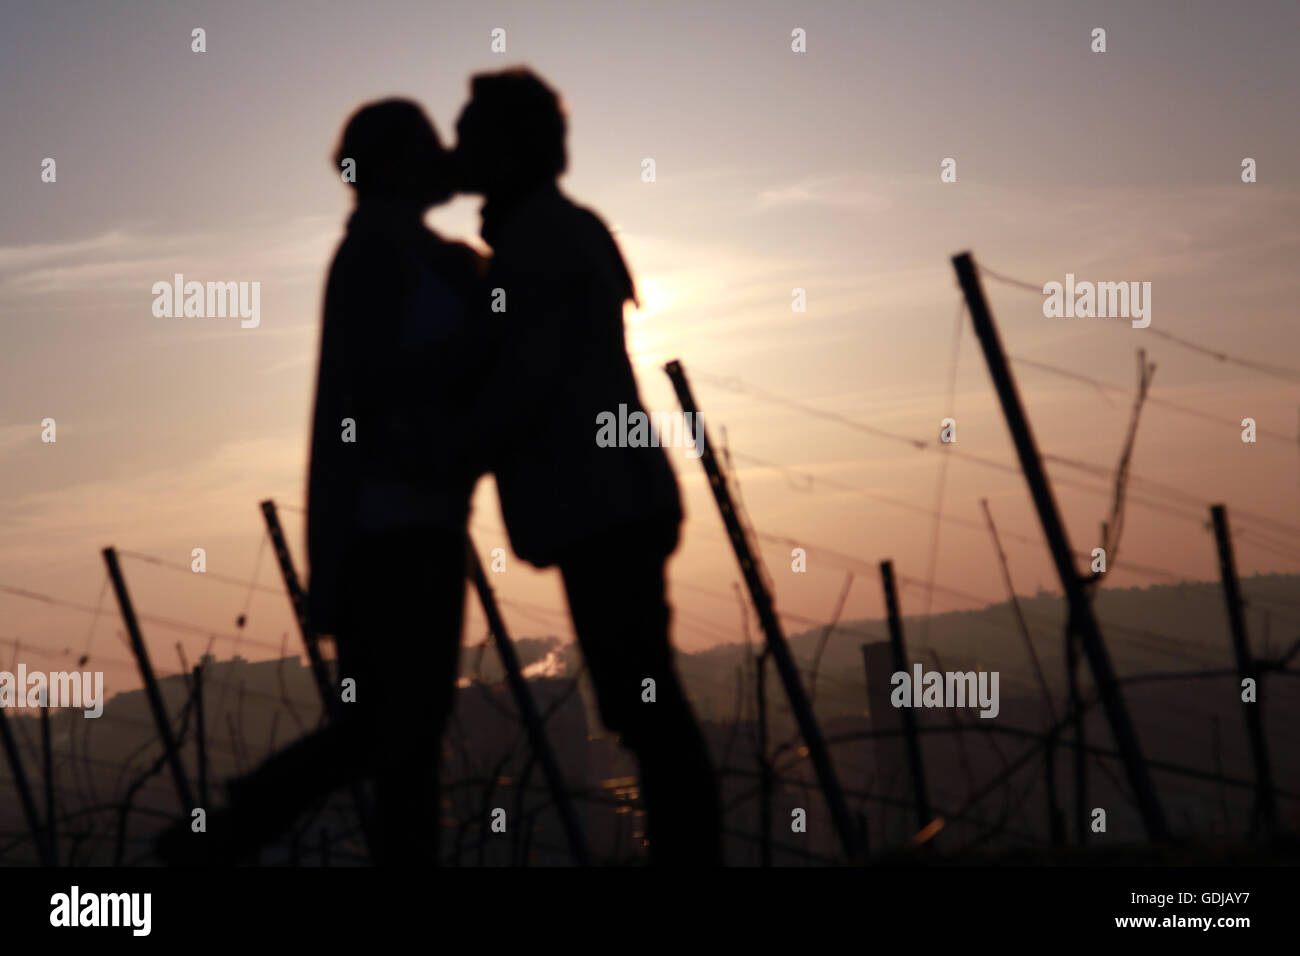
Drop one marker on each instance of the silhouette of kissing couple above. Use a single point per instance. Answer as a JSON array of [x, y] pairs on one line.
[[437, 366]]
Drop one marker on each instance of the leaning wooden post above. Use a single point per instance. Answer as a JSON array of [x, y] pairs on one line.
[[527, 708], [1080, 737], [200, 736], [43, 848], [298, 599], [919, 793], [758, 593], [329, 700], [889, 745], [1081, 613], [152, 693], [47, 749], [764, 764], [1265, 815]]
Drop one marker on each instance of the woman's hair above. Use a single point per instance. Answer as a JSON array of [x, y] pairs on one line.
[[395, 152]]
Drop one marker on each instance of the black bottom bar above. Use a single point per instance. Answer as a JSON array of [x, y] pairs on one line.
[[977, 905]]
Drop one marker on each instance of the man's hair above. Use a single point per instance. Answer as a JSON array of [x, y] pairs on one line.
[[524, 116], [397, 152]]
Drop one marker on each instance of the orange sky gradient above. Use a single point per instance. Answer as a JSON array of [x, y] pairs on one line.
[[775, 171]]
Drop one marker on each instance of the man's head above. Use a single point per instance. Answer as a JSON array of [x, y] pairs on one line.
[[510, 136], [397, 154]]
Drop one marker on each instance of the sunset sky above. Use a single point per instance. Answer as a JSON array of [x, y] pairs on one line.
[[775, 170]]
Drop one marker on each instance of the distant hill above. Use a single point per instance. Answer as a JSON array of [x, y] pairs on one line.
[[1164, 627]]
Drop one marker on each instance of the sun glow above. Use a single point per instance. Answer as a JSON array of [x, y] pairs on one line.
[[654, 296], [643, 344]]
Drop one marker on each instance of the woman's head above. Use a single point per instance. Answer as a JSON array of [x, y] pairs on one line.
[[395, 154]]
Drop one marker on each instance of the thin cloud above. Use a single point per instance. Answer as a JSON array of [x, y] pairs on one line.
[[843, 191], [298, 250]]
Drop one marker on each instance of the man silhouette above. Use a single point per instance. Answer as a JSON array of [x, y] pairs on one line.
[[388, 497], [607, 517]]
